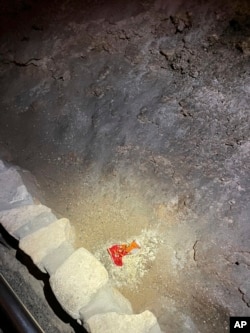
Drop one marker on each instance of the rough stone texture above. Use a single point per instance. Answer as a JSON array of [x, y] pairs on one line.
[[77, 281], [107, 299], [13, 192], [45, 240], [56, 258], [31, 184], [132, 115], [113, 323], [24, 220]]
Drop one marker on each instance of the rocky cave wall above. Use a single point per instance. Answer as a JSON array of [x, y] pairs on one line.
[[135, 116]]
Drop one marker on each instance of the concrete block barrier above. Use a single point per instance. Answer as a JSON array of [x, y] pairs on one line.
[[24, 220], [56, 258], [45, 240], [14, 193], [112, 322], [77, 281], [107, 299]]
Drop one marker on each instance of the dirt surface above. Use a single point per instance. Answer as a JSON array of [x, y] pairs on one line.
[[134, 118]]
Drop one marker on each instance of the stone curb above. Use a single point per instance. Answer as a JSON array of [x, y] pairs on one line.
[[78, 280], [44, 241], [80, 272], [113, 322], [24, 220]]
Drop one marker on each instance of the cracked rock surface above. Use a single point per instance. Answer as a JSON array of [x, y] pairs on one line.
[[134, 118]]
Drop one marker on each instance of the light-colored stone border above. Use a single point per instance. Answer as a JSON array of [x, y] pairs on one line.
[[79, 281]]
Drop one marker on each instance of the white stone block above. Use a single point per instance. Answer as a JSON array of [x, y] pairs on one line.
[[21, 221], [112, 322], [13, 192], [55, 259], [44, 241], [107, 299], [77, 280]]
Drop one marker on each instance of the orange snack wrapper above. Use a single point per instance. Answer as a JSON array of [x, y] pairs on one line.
[[117, 252]]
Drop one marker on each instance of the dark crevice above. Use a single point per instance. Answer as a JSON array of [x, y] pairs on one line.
[[244, 298], [22, 64], [195, 250]]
